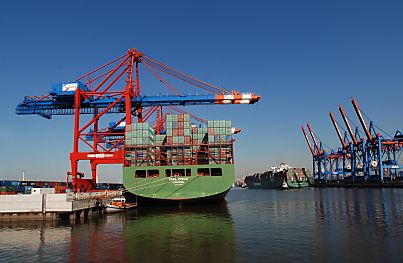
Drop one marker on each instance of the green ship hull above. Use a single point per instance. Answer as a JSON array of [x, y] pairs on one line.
[[297, 178], [181, 183], [297, 184]]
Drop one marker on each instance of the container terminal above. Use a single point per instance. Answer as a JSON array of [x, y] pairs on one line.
[[12, 187], [152, 137], [48, 200], [371, 158]]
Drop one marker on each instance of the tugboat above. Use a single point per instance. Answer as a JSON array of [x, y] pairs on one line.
[[119, 204], [284, 186]]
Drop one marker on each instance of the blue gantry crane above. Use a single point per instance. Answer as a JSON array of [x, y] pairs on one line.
[[373, 158]]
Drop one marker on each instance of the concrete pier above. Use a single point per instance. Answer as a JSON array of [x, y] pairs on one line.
[[54, 206]]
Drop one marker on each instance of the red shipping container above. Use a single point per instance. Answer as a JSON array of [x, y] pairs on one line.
[[187, 139], [59, 189], [181, 132]]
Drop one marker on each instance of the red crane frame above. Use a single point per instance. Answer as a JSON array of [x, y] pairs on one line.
[[98, 85], [129, 65]]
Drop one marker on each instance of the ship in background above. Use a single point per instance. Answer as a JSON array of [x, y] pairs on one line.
[[276, 176], [184, 164]]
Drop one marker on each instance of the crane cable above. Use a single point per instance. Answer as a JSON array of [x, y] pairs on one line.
[[179, 77], [343, 129], [162, 80], [191, 80], [147, 183], [185, 75], [322, 142], [356, 127], [363, 113]]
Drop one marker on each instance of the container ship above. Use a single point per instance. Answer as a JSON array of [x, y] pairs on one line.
[[276, 176], [183, 164]]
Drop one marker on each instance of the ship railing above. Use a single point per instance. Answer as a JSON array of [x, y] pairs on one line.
[[180, 154]]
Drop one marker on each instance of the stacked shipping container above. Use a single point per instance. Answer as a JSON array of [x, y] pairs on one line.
[[183, 143], [179, 135], [10, 187], [143, 136], [219, 132]]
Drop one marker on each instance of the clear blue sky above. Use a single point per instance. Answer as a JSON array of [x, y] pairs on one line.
[[303, 57]]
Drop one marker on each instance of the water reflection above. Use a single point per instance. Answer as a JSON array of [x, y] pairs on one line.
[[189, 234], [361, 223], [144, 235], [308, 225], [33, 241]]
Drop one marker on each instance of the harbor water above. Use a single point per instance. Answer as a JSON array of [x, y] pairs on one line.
[[306, 225]]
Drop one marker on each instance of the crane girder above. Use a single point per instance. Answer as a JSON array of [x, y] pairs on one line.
[[55, 106]]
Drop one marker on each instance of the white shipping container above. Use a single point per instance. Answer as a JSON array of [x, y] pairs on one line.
[[39, 191]]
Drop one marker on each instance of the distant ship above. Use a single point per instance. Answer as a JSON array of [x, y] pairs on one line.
[[277, 176]]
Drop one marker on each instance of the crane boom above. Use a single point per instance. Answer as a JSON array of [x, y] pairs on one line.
[[307, 140], [64, 105], [350, 131], [337, 130], [363, 124], [314, 139]]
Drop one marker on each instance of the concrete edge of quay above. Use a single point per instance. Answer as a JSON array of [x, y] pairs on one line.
[[54, 206]]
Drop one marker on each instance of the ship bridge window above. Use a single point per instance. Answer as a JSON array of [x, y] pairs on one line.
[[188, 172], [203, 172], [140, 174], [153, 173], [216, 172], [178, 172], [168, 172]]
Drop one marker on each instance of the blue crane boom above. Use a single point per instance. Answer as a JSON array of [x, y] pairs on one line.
[[64, 105]]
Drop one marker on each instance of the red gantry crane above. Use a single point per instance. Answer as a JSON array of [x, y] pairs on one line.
[[115, 88]]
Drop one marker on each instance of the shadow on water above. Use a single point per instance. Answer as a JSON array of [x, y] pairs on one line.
[[187, 234]]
